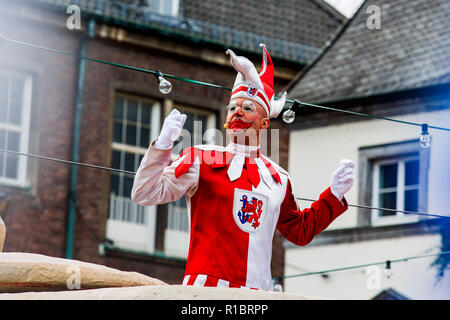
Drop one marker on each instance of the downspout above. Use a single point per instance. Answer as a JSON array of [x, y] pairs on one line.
[[76, 141]]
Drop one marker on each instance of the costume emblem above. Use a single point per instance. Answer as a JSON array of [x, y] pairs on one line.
[[252, 91], [249, 210]]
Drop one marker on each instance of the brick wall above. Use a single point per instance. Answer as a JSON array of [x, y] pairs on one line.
[[36, 216]]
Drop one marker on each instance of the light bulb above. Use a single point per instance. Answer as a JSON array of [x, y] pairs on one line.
[[164, 85], [388, 271], [425, 139], [288, 116], [277, 286]]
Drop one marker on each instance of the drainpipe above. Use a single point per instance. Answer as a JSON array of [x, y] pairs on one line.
[[76, 141]]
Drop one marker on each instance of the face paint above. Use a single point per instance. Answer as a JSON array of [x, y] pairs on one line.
[[237, 124]]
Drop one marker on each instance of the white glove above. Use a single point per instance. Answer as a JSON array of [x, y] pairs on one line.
[[171, 130], [342, 179]]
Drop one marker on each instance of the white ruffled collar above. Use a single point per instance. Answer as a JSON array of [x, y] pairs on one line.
[[243, 150]]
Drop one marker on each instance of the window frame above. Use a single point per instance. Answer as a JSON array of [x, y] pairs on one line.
[[368, 157], [118, 228], [24, 130], [400, 189]]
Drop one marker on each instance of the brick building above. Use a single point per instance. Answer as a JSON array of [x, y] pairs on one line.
[[67, 108]]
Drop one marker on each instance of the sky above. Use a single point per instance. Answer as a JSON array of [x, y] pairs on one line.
[[346, 7]]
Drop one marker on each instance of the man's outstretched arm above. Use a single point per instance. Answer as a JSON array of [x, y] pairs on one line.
[[301, 226]]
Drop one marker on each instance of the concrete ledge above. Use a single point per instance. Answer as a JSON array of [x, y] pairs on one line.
[[174, 292]]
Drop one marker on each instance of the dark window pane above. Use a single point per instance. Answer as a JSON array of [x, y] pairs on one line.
[[388, 175], [204, 120], [117, 134], [115, 159], [12, 164], [118, 108], [145, 137], [115, 184], [411, 200], [129, 161], [189, 124], [16, 101], [388, 200], [145, 116], [13, 141], [131, 135], [132, 110], [411, 172], [182, 202], [127, 186]]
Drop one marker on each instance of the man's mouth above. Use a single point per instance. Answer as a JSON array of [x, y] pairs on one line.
[[239, 124]]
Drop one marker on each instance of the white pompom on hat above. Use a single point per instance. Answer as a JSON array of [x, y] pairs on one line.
[[257, 86]]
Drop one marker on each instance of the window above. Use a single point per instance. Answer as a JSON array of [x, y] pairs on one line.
[[176, 239], [164, 7], [395, 186], [15, 108], [135, 125], [392, 176]]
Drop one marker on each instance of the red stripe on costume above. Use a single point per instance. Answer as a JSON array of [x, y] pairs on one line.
[[253, 173], [186, 163], [211, 282], [272, 170], [191, 280], [259, 94], [265, 100]]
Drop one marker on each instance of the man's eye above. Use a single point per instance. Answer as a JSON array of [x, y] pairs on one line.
[[232, 108], [248, 106]]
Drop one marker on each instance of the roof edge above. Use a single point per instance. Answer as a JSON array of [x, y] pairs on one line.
[[329, 44], [331, 10]]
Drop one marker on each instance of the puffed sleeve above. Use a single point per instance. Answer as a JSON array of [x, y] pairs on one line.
[[156, 182], [301, 226]]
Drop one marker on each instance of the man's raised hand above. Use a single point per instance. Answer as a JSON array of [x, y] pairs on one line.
[[171, 130], [343, 178]]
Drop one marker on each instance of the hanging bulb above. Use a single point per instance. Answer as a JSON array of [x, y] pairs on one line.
[[164, 85], [277, 286], [425, 139], [388, 271], [289, 114]]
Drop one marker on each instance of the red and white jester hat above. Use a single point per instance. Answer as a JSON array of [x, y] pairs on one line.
[[259, 87]]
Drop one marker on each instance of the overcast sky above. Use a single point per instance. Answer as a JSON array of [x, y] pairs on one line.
[[346, 7]]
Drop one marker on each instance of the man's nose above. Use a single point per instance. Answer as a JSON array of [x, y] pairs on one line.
[[239, 111]]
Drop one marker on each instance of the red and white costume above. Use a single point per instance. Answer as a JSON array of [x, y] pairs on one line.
[[236, 198], [224, 251]]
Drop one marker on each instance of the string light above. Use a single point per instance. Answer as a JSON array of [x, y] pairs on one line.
[[425, 139], [362, 265], [206, 83], [388, 270], [163, 85], [289, 114]]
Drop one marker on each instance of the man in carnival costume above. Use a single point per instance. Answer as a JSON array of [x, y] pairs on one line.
[[236, 197]]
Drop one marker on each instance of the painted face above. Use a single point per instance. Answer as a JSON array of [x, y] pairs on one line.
[[243, 115]]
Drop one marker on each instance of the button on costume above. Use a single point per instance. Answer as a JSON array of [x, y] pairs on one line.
[[236, 197]]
